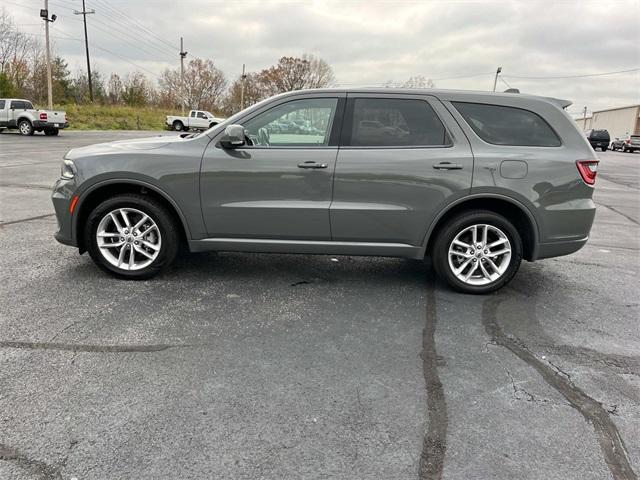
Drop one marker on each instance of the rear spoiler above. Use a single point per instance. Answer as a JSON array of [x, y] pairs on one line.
[[559, 102], [556, 101]]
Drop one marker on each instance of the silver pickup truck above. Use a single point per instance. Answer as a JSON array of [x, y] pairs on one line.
[[16, 113]]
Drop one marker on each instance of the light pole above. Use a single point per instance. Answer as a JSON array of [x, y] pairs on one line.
[[495, 80], [183, 54], [242, 79], [44, 14]]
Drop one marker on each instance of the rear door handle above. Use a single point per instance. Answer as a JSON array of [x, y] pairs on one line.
[[312, 164], [447, 166]]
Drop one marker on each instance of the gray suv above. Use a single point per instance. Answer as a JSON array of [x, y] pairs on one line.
[[477, 181]]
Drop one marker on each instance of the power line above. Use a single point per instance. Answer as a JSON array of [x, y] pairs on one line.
[[120, 16], [124, 40], [106, 50], [574, 76]]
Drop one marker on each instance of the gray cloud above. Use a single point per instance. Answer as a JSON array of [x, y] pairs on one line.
[[371, 42]]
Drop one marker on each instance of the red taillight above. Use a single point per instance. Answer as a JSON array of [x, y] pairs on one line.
[[43, 116], [588, 170], [628, 141]]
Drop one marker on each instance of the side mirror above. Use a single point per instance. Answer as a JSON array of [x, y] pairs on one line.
[[233, 137]]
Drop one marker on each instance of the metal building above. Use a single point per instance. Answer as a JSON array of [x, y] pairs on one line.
[[618, 121]]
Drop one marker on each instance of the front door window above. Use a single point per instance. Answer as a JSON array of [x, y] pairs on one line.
[[300, 123]]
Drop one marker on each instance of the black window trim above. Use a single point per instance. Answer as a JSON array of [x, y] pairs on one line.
[[333, 135], [553, 130], [347, 123]]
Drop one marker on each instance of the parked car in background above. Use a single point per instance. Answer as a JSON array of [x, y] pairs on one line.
[[476, 181], [628, 143], [598, 139], [19, 114], [196, 120]]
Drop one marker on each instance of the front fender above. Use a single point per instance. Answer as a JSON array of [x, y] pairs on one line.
[[86, 190]]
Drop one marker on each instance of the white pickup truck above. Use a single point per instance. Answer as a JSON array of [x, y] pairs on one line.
[[16, 113], [197, 120]]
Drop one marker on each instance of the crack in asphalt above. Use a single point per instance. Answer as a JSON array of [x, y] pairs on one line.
[[624, 364], [39, 217], [434, 443], [31, 186], [613, 209], [611, 443], [71, 347], [37, 467], [617, 181]]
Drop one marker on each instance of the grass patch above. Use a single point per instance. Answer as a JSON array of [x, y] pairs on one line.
[[108, 117]]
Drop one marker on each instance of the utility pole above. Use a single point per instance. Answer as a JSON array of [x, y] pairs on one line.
[[84, 14], [183, 54], [44, 15], [495, 80], [242, 79]]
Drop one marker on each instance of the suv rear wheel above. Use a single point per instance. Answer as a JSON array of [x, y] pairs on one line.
[[178, 126], [131, 236], [477, 252]]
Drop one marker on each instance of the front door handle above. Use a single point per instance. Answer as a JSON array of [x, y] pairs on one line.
[[312, 164], [447, 166]]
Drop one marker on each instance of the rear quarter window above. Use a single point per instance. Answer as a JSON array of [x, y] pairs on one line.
[[502, 125], [2, 102]]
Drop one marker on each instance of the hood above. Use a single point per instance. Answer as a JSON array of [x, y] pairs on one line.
[[148, 143]]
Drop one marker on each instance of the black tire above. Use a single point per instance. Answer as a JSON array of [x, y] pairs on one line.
[[213, 124], [455, 225], [163, 219], [51, 132], [25, 127], [604, 149], [178, 126], [1, 130]]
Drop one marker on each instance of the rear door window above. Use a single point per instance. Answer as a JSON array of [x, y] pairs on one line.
[[391, 122], [502, 125], [2, 102]]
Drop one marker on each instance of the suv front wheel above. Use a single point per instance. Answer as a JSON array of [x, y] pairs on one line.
[[477, 252], [131, 236]]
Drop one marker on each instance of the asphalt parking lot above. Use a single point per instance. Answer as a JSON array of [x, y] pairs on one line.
[[250, 366]]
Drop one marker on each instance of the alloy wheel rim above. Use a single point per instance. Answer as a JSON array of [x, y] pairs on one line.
[[128, 239], [480, 254], [24, 128]]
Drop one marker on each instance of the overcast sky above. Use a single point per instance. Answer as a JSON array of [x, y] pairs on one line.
[[369, 42]]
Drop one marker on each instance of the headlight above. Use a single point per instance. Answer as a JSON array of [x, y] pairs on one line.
[[68, 169]]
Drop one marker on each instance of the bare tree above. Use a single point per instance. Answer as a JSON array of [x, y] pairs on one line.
[[204, 85], [254, 91], [320, 72], [136, 89], [114, 89]]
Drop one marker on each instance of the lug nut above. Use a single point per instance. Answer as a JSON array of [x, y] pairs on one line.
[[135, 243], [126, 232], [475, 260], [122, 239], [486, 252]]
